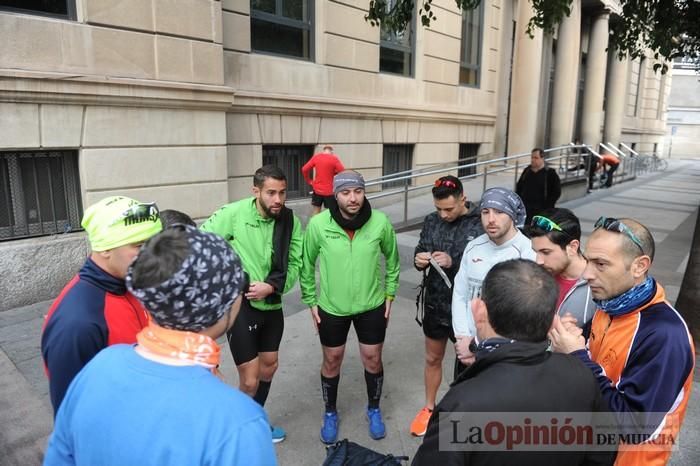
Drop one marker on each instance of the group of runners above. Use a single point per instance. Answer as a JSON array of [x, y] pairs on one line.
[[158, 281]]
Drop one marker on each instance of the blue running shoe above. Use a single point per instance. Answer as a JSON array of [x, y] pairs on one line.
[[329, 429], [278, 434], [376, 424]]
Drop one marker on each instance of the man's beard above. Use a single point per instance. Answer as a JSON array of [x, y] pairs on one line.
[[347, 214], [268, 211]]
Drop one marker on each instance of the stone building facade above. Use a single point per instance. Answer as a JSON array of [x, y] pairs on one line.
[[178, 101]]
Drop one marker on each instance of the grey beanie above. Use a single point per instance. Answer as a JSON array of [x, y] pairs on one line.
[[506, 201], [347, 180]]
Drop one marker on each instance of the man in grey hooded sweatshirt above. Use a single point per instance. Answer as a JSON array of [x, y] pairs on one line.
[[556, 238]]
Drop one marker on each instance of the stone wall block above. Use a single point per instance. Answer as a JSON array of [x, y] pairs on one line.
[[174, 59], [19, 125], [60, 257], [270, 129], [242, 129], [240, 6], [188, 18], [349, 22], [31, 43], [133, 14], [291, 129], [61, 125], [135, 167], [243, 159], [122, 53], [310, 130], [350, 130], [119, 126], [236, 31], [216, 22], [207, 63]]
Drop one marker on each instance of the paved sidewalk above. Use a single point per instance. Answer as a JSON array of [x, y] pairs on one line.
[[667, 203]]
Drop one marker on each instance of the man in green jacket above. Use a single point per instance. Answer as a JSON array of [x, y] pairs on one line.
[[266, 235], [349, 239]]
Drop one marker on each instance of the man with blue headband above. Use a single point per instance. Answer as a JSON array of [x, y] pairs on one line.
[[639, 349]]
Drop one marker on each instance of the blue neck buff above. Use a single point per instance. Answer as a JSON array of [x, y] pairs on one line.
[[629, 300]]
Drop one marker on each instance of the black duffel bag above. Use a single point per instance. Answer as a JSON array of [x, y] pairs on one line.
[[347, 453]]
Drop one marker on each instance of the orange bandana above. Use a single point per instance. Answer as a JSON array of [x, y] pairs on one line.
[[180, 345]]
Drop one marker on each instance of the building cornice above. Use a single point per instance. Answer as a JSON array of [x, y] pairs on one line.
[[260, 102], [70, 89]]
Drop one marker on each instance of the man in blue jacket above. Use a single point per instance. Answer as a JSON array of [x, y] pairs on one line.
[[160, 402], [95, 310]]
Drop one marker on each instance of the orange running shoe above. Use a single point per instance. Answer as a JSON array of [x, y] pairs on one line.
[[420, 422]]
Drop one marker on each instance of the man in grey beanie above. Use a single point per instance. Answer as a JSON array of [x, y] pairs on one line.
[[348, 240], [502, 211]]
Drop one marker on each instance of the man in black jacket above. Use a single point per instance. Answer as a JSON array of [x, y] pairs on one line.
[[539, 186], [443, 238], [514, 373]]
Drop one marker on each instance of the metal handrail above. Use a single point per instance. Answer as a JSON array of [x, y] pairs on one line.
[[582, 156], [481, 170], [617, 150], [632, 151], [609, 150], [393, 178]]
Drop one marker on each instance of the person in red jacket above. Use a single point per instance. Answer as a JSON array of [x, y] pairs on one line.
[[326, 165], [95, 310]]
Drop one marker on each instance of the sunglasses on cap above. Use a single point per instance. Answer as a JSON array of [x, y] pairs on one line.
[[138, 213], [613, 224], [545, 224], [442, 182]]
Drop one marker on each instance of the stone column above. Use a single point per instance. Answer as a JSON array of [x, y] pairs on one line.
[[525, 84], [594, 87], [615, 99], [566, 77]]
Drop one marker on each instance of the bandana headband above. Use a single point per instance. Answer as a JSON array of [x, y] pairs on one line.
[[201, 291]]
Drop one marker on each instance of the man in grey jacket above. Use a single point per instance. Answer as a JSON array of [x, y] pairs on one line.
[[556, 238]]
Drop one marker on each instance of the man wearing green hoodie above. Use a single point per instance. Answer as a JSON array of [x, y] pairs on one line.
[[266, 235], [349, 239]]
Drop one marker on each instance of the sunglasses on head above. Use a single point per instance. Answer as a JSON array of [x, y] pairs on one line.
[[613, 224], [138, 213], [442, 182], [545, 224]]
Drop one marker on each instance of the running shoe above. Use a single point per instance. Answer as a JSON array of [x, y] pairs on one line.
[[420, 422], [376, 424], [329, 429], [278, 434]]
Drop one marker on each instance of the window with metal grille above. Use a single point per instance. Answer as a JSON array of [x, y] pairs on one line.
[[290, 159], [282, 27], [396, 49], [397, 158], [467, 154], [40, 193], [470, 53], [59, 8]]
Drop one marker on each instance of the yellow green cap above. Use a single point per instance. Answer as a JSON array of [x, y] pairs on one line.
[[117, 221]]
